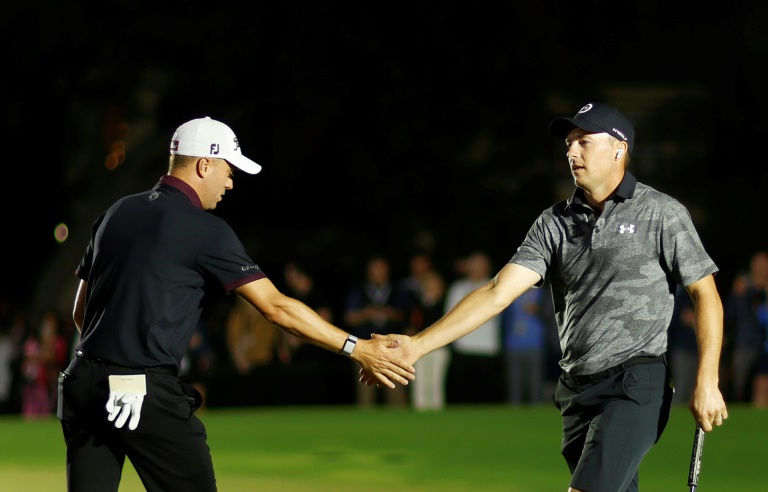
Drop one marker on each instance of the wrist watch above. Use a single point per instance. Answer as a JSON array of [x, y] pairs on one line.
[[349, 345]]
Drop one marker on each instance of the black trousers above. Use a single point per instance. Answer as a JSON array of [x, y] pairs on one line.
[[168, 449], [610, 425]]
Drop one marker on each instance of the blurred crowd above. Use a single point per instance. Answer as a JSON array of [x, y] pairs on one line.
[[237, 358]]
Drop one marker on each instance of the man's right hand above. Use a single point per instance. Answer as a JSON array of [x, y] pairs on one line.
[[403, 344], [385, 360]]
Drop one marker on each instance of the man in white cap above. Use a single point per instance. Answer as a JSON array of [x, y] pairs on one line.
[[151, 260], [613, 254]]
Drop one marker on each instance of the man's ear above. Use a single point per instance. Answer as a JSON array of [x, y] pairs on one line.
[[202, 165], [622, 150]]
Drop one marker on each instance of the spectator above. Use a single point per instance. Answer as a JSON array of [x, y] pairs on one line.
[[56, 348], [376, 306], [526, 324], [745, 335], [473, 374], [7, 355], [427, 298], [760, 385], [682, 348], [300, 284], [45, 353], [252, 340], [304, 365], [18, 332], [419, 265]]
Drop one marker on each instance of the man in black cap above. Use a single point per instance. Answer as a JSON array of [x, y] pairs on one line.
[[613, 254], [152, 259]]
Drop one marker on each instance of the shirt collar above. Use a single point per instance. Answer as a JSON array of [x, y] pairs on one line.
[[625, 191], [188, 191]]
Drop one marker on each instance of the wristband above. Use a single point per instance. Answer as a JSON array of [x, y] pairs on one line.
[[349, 345]]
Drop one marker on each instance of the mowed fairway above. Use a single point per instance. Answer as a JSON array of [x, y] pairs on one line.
[[467, 448]]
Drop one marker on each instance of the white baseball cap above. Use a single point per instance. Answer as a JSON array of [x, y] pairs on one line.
[[206, 137]]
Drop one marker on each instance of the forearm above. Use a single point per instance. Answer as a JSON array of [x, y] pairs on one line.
[[477, 307], [707, 404], [296, 318], [708, 323], [467, 315], [709, 337], [292, 315]]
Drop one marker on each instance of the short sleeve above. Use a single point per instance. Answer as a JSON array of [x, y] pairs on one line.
[[682, 250], [535, 252]]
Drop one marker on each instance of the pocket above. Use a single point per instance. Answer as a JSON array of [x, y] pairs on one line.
[[170, 395], [643, 385], [195, 398]]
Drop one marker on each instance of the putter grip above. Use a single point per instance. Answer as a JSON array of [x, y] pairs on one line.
[[698, 447]]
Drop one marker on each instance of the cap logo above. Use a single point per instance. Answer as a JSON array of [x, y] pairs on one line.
[[174, 145], [214, 149], [237, 144], [585, 108], [618, 132]]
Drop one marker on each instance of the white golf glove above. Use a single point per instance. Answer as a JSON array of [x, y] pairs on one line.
[[126, 395], [121, 406]]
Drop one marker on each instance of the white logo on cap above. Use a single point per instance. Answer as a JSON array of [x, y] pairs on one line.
[[585, 108], [619, 133]]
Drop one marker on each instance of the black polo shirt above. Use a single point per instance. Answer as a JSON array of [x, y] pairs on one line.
[[614, 276], [151, 260]]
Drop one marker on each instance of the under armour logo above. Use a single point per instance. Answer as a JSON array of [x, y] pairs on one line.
[[214, 149], [627, 228]]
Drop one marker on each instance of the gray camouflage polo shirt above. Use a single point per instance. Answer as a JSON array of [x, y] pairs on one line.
[[614, 276]]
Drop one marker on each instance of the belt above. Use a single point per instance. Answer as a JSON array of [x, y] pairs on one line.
[[80, 354], [167, 369], [599, 376]]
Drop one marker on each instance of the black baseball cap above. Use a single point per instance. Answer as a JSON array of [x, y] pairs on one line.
[[596, 117]]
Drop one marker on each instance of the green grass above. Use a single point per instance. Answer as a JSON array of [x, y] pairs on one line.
[[467, 448]]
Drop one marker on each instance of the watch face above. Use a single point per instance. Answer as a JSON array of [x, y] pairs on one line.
[[349, 345]]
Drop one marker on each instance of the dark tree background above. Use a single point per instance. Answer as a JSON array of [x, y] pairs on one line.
[[389, 127]]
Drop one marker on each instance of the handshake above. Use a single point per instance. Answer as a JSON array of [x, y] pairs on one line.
[[386, 359]]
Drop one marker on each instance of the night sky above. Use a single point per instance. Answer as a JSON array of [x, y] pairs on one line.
[[380, 127]]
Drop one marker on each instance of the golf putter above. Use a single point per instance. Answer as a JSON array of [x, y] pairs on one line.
[[698, 447]]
